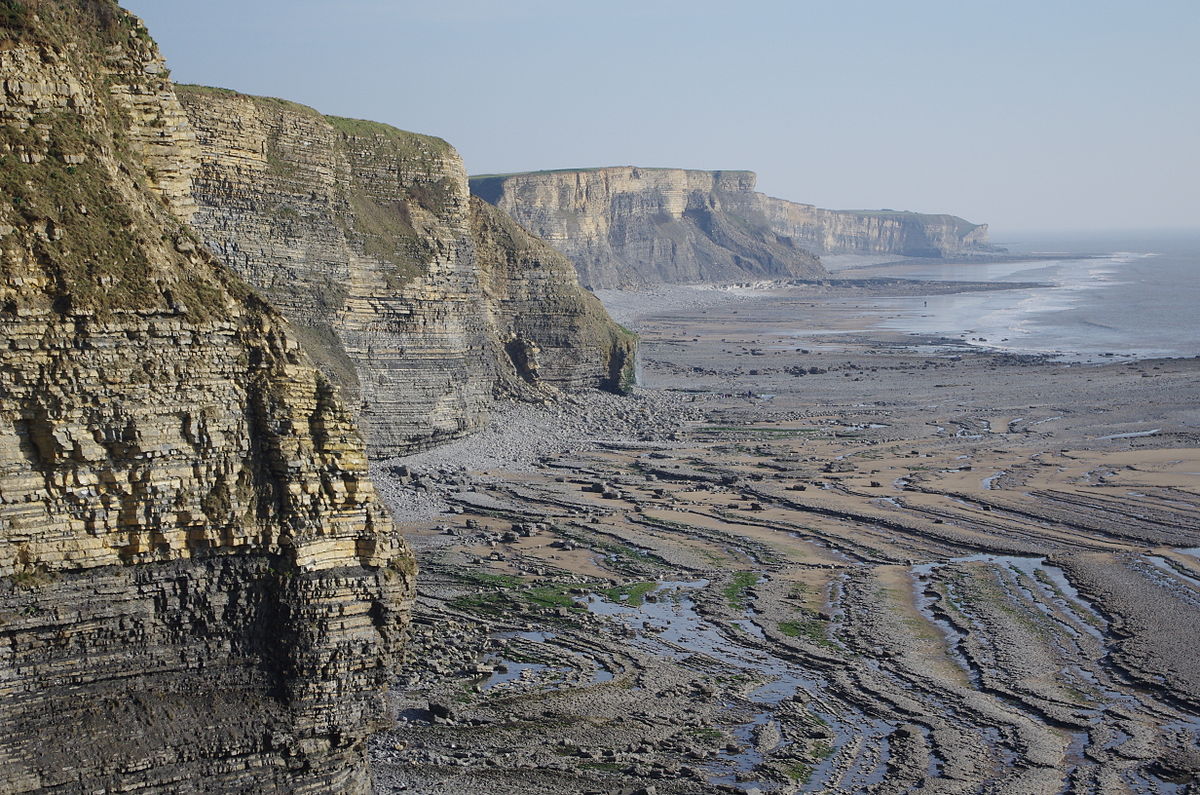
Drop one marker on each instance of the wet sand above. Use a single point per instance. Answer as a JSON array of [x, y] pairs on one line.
[[862, 561]]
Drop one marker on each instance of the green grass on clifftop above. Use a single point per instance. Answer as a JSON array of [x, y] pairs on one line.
[[961, 225], [413, 144], [183, 89]]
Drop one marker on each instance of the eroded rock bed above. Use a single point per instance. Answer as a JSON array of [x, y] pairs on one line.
[[867, 562]]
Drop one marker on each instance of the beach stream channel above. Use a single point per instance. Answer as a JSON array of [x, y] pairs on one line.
[[668, 624]]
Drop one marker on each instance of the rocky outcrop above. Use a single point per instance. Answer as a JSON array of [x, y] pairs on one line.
[[365, 238], [625, 226], [199, 590], [552, 331], [902, 233]]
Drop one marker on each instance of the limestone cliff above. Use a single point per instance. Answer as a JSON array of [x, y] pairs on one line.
[[198, 587], [906, 234], [625, 226], [553, 331], [365, 238]]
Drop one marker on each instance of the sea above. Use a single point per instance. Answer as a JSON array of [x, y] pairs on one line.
[[1107, 295]]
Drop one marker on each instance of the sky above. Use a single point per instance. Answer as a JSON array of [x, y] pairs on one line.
[[1028, 115]]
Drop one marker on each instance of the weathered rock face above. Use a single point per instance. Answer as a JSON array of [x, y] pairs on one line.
[[875, 231], [552, 331], [625, 226], [198, 587], [364, 237]]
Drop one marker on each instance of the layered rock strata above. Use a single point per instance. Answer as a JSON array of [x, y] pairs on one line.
[[906, 234], [199, 590], [364, 236], [624, 226], [627, 226], [553, 332]]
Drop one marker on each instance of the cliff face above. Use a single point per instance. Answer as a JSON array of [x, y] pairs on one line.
[[626, 226], [551, 330], [875, 231], [364, 237], [198, 586]]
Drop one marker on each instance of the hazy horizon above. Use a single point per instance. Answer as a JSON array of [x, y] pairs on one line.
[[1033, 120]]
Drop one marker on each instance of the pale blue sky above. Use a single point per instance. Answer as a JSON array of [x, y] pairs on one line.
[[1055, 114]]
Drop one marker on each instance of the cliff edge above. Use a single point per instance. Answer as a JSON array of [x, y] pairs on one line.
[[420, 306], [624, 226], [903, 233], [198, 587]]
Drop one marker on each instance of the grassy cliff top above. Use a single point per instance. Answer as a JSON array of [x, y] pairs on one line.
[[358, 128], [490, 187], [184, 89], [362, 128], [960, 223], [594, 169]]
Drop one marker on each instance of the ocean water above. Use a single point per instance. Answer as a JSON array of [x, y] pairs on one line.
[[1109, 296]]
